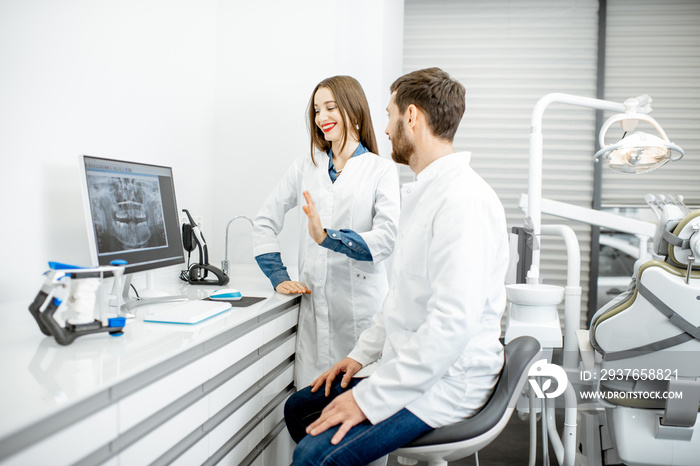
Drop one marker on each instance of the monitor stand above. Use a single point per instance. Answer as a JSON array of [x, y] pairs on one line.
[[146, 297], [151, 291]]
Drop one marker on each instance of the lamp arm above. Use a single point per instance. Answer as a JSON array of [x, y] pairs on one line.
[[535, 170], [594, 217], [557, 97]]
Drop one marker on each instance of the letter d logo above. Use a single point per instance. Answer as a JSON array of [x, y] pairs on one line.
[[544, 369]]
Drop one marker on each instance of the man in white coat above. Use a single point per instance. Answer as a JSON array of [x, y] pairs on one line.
[[432, 354]]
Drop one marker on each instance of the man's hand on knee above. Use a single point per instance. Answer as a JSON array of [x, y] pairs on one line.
[[344, 411], [348, 365]]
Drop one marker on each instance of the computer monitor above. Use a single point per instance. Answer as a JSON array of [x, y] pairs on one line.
[[131, 215]]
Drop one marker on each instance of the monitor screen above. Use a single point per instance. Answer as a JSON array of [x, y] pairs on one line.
[[131, 213]]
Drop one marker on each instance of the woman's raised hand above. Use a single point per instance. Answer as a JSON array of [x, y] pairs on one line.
[[316, 230]]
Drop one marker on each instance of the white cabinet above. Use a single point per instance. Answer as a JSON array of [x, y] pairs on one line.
[[217, 398], [71, 444]]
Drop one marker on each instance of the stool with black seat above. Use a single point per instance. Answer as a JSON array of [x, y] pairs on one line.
[[467, 437]]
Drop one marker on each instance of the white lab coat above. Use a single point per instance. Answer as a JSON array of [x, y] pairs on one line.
[[438, 331], [345, 293]]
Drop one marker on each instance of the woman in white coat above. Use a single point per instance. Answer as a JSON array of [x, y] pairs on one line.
[[347, 227]]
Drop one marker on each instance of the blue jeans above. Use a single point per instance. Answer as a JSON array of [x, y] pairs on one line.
[[364, 443]]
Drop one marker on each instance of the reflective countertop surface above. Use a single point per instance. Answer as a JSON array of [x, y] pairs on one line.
[[41, 377]]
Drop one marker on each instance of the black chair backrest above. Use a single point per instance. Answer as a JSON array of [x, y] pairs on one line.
[[519, 353]]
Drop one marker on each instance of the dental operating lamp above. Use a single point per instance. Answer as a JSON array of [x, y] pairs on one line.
[[640, 152]]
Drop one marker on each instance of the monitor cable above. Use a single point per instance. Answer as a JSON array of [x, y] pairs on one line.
[[135, 291]]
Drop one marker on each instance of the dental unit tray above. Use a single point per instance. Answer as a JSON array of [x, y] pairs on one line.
[[46, 303]]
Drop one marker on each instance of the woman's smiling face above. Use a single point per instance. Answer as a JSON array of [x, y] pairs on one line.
[[328, 116]]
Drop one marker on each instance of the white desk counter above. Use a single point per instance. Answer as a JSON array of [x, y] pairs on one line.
[[158, 394]]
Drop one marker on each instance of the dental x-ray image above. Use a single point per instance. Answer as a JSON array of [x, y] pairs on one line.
[[127, 212]]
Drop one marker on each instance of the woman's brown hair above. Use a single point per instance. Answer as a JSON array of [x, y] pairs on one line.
[[352, 104]]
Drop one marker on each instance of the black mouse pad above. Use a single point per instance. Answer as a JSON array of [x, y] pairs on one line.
[[245, 301]]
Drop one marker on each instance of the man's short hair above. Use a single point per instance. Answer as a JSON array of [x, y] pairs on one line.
[[440, 97]]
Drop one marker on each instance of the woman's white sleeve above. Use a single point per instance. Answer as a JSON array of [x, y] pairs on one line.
[[269, 220]]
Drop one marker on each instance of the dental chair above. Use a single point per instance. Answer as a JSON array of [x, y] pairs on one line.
[[645, 343], [465, 438]]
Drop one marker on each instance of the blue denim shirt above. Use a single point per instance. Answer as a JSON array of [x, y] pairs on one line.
[[331, 167], [343, 241]]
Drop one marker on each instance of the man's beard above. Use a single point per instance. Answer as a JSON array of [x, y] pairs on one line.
[[402, 148]]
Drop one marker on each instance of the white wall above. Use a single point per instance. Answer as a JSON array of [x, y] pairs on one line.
[[215, 89], [132, 80], [264, 88]]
